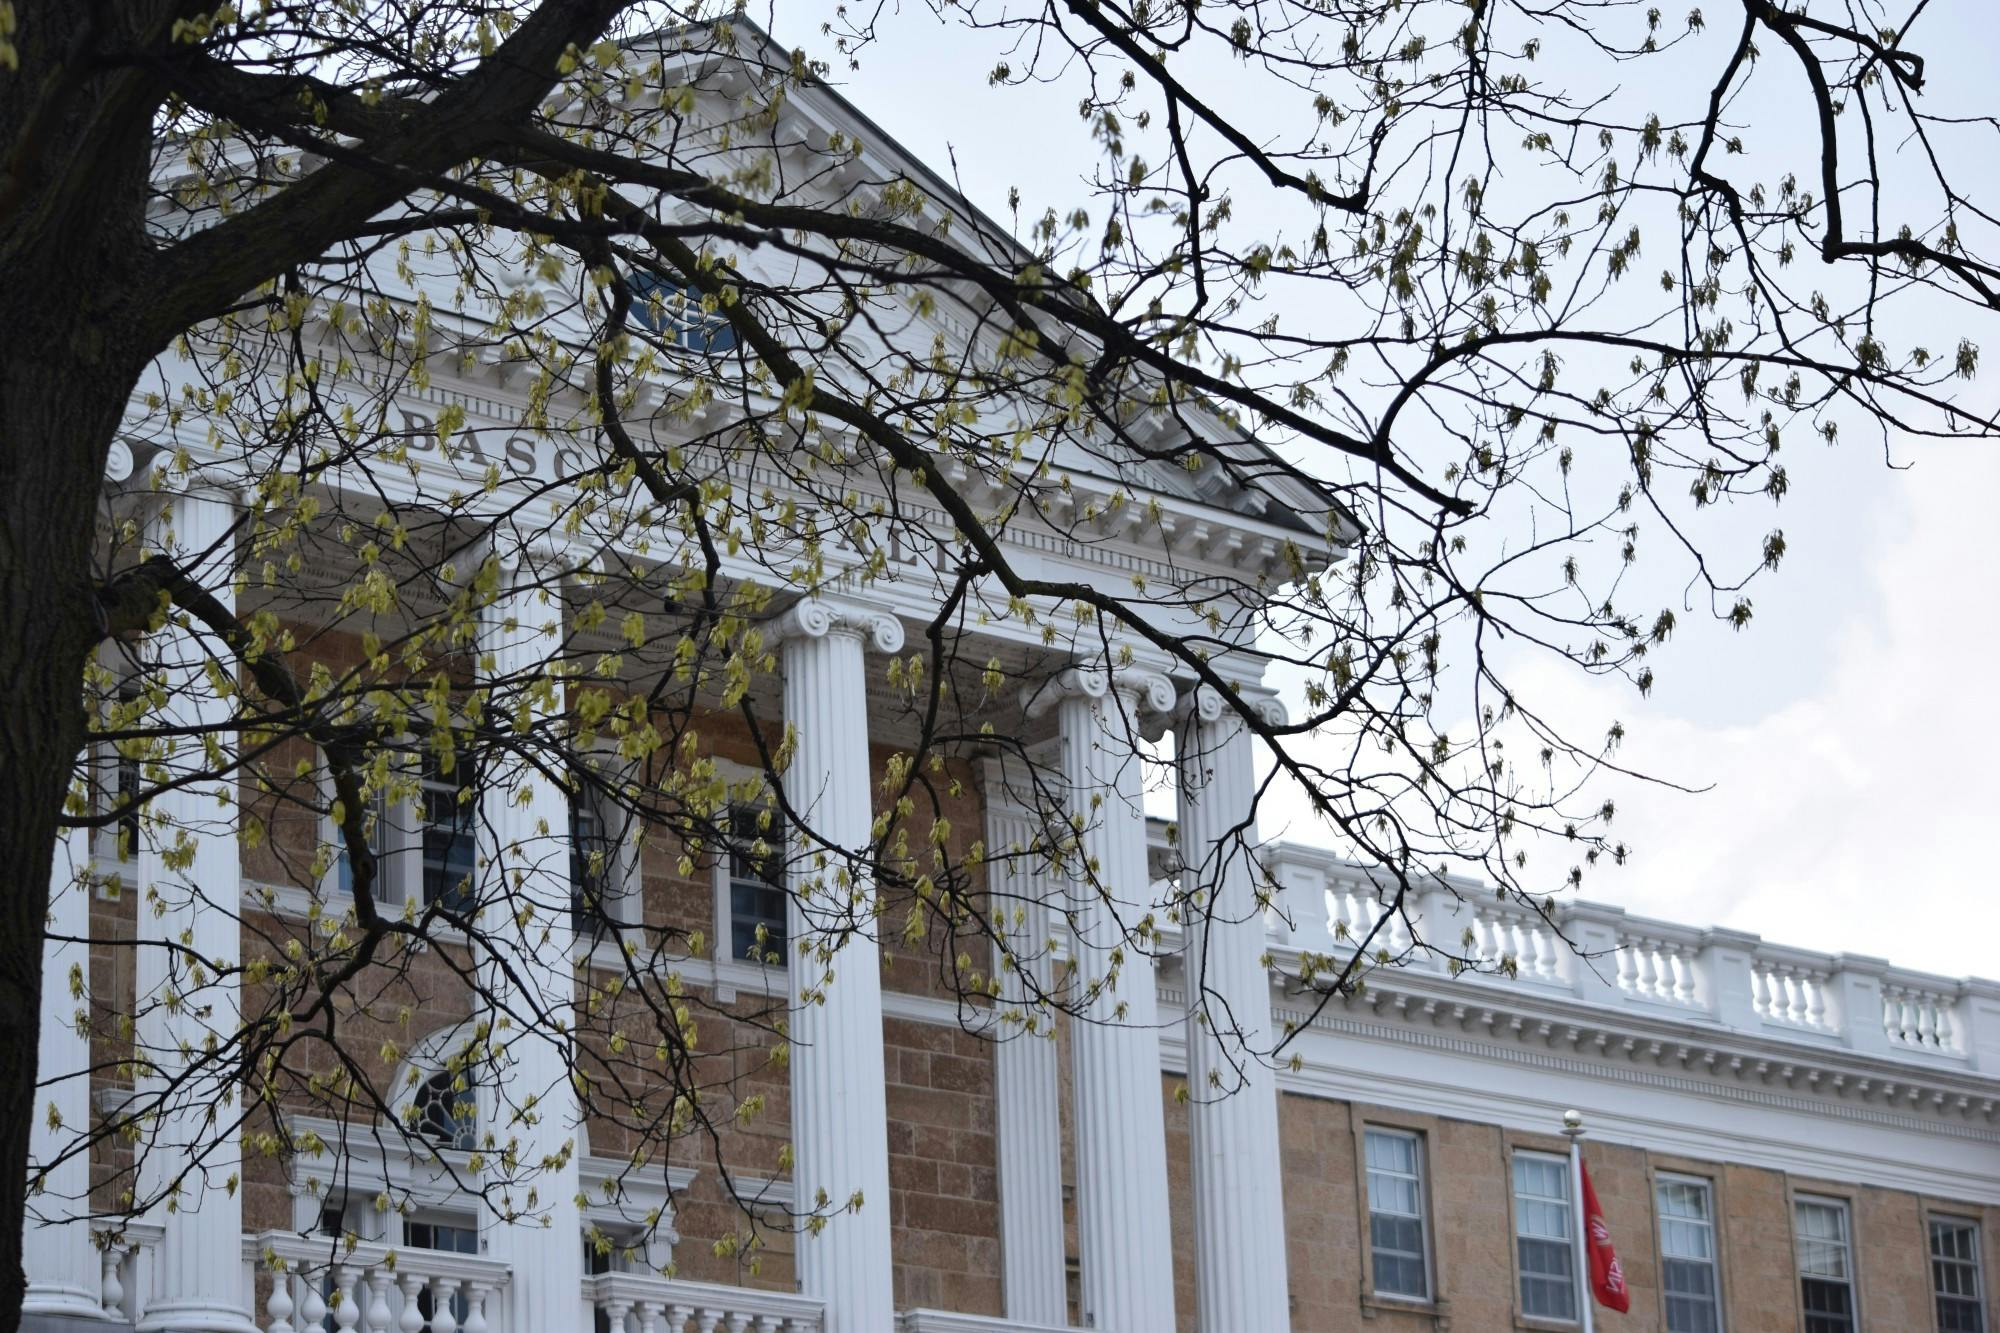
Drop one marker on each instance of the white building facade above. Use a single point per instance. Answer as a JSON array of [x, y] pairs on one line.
[[1743, 1099]]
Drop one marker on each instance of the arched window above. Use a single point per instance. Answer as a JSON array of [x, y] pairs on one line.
[[446, 1115]]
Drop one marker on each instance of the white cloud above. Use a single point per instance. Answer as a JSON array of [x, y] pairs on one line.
[[1858, 816]]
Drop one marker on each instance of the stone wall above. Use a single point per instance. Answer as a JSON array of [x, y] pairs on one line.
[[1470, 1199]]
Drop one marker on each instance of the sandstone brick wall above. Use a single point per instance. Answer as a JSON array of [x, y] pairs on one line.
[[1470, 1198]]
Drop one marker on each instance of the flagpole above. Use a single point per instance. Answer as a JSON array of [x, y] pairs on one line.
[[1573, 1129]]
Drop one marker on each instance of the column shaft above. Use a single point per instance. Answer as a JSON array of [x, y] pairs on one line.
[[186, 973], [1121, 1138], [56, 1252], [1028, 1110], [839, 1109], [1239, 1211], [524, 928]]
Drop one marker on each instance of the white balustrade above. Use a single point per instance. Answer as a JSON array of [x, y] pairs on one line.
[[1792, 994], [375, 1288], [1513, 937], [1660, 970], [648, 1303], [1921, 1018]]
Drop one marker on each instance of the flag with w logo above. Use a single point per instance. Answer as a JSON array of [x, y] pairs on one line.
[[1607, 1279]]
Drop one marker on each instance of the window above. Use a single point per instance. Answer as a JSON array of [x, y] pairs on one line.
[[1543, 1240], [458, 1236], [450, 808], [754, 865], [593, 865], [1826, 1265], [1687, 1254], [1955, 1275], [446, 1115], [1398, 1256], [674, 311]]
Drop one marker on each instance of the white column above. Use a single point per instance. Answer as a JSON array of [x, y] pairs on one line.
[[528, 1108], [840, 1137], [56, 1251], [1239, 1205], [1121, 1137], [189, 934], [1028, 1110]]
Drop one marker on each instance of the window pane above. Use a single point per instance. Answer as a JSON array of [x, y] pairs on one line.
[[449, 811], [1548, 1280], [1824, 1268], [446, 1116], [756, 885], [1687, 1252], [1542, 1226], [1399, 1254], [1955, 1275]]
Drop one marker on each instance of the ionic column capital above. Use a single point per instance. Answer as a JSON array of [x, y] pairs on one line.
[[1145, 690], [1205, 704], [820, 615]]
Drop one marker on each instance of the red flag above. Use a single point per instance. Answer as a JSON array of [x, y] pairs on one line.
[[1607, 1279]]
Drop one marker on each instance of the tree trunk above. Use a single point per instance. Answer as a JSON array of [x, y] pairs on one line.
[[75, 152], [52, 448]]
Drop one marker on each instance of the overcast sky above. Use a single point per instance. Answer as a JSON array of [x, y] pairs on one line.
[[1846, 739]]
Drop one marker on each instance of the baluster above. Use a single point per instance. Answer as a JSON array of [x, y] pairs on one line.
[[114, 1279], [649, 1317], [312, 1310], [412, 1319], [346, 1309], [1648, 979], [1524, 948], [1815, 1001], [614, 1309], [798, 1323], [1760, 991], [677, 1318], [1551, 952], [475, 1307], [381, 1319], [739, 1320], [767, 1323], [444, 1291], [1628, 968], [279, 1306], [706, 1319], [1947, 1034], [1789, 1004], [1343, 918], [1682, 975], [1927, 1022]]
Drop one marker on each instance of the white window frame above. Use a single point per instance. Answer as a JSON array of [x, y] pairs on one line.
[[1662, 1181], [1418, 1178], [399, 843], [1568, 1239], [1934, 1220], [1842, 1209]]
